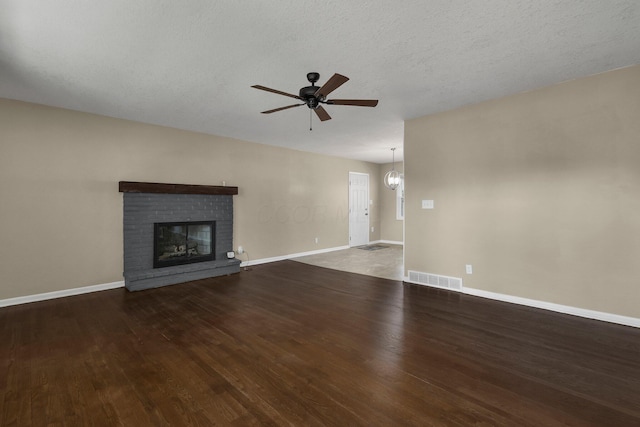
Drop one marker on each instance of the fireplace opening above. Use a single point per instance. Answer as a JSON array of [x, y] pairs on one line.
[[177, 243]]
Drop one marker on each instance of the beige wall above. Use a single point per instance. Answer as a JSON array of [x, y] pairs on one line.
[[540, 192], [390, 227], [61, 212]]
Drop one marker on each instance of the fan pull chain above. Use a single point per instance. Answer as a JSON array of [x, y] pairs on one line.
[[310, 129]]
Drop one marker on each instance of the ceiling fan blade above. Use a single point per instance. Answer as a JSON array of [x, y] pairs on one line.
[[356, 102], [279, 92], [322, 113], [281, 108], [332, 84]]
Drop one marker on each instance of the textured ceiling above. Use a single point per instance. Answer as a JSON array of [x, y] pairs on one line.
[[190, 64]]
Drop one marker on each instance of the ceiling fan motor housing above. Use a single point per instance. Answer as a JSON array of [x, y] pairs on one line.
[[308, 95]]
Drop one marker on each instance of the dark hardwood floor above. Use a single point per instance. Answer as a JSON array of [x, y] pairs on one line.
[[292, 344]]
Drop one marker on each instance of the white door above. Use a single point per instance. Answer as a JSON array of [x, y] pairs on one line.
[[358, 209]]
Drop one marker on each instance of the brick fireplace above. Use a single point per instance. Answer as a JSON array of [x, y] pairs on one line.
[[148, 207]]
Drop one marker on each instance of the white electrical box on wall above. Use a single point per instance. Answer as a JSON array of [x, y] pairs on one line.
[[427, 204]]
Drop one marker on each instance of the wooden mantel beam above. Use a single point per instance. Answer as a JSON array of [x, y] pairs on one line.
[[154, 187]]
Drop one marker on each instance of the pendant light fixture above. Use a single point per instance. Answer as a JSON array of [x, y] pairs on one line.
[[392, 178]]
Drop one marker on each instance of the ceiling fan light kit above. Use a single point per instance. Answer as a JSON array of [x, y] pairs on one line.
[[312, 96]]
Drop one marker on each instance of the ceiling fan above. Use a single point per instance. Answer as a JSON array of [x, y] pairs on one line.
[[312, 96]]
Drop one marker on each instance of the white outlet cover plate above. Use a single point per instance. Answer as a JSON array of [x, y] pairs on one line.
[[427, 204]]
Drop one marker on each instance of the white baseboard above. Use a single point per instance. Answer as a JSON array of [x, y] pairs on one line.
[[566, 309], [559, 308], [296, 255], [388, 242], [60, 294], [300, 254], [575, 311], [103, 287]]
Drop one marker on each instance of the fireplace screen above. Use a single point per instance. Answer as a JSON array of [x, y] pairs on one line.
[[178, 243]]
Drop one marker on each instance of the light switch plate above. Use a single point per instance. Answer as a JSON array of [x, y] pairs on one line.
[[427, 204]]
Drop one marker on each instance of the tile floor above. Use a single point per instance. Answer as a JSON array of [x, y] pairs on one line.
[[386, 263]]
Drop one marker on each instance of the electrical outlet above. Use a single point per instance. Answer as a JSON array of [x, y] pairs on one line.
[[469, 269], [240, 249], [316, 240]]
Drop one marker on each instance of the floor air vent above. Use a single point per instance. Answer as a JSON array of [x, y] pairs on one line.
[[446, 282]]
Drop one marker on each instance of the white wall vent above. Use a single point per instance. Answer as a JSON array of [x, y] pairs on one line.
[[435, 280]]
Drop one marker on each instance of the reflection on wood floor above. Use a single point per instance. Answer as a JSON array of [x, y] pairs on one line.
[[291, 344], [385, 263]]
